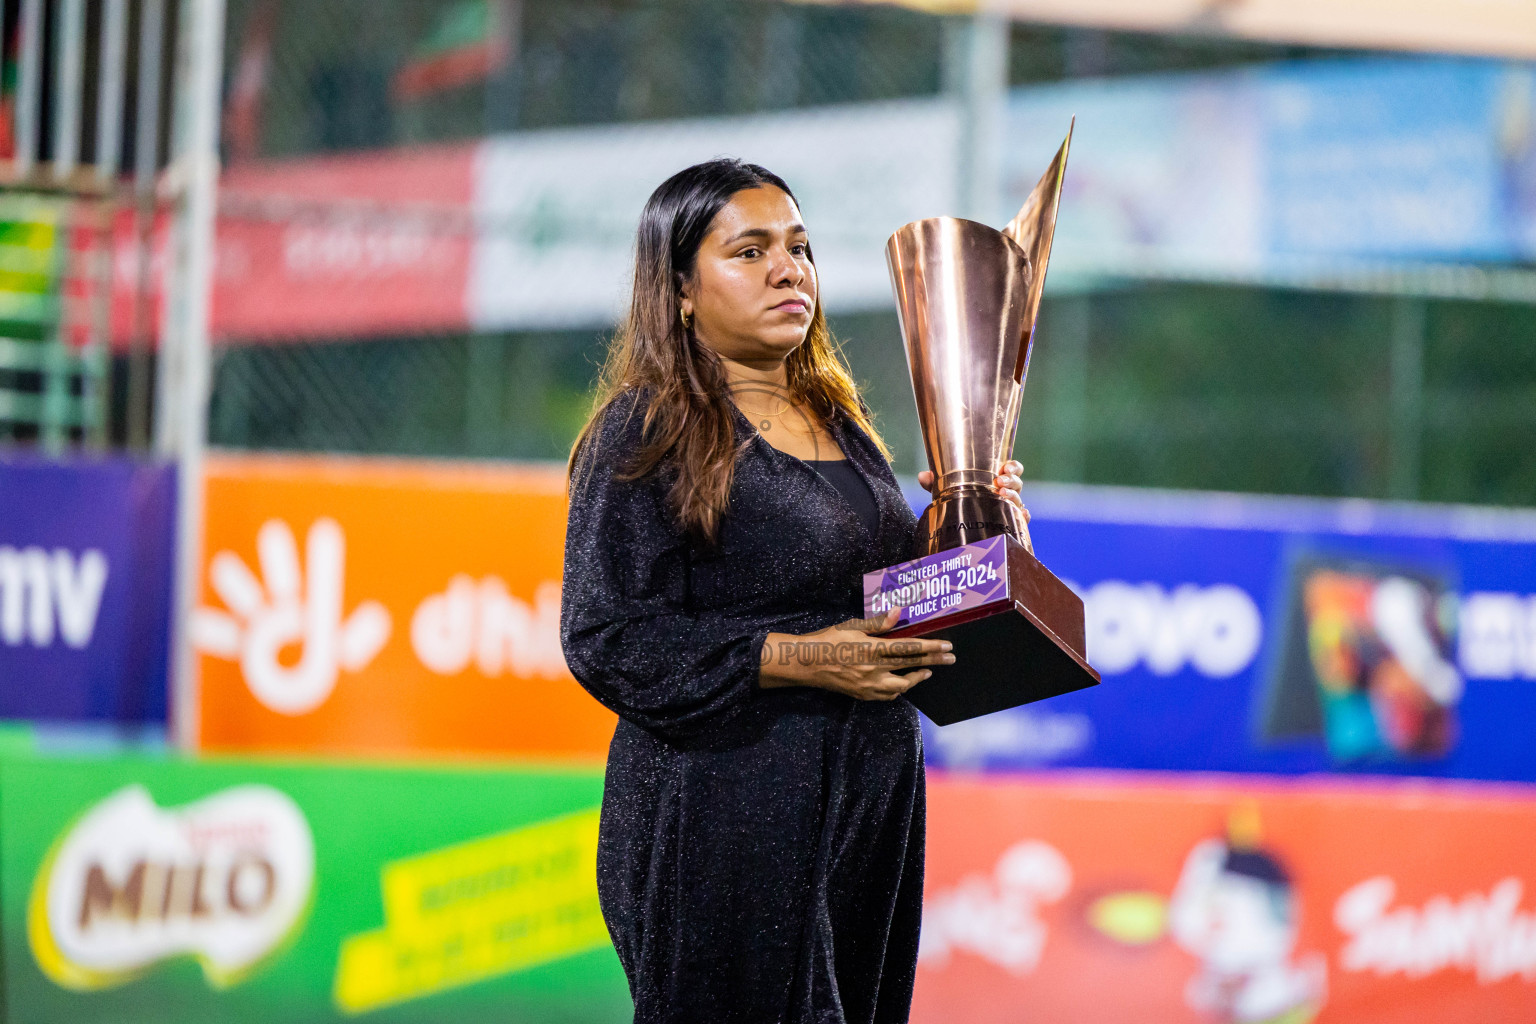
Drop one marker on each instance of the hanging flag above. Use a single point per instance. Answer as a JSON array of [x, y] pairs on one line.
[[242, 113], [8, 83], [470, 41]]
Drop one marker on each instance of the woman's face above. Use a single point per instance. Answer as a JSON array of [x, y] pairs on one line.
[[753, 290]]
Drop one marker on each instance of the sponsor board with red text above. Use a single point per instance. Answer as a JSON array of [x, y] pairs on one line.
[[361, 245], [1108, 898], [532, 229], [354, 605], [355, 245]]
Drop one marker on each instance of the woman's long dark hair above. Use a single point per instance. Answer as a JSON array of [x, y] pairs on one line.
[[688, 420]]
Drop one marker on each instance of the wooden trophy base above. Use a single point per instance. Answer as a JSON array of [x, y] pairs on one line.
[[1021, 639]]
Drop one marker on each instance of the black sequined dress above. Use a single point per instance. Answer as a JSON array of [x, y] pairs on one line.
[[760, 854]]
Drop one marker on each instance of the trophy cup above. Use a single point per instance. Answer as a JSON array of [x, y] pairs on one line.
[[967, 296]]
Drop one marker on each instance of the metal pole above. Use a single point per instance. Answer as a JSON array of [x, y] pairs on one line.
[[1407, 396], [28, 100], [170, 386], [976, 73], [28, 97], [482, 394], [146, 153], [197, 101], [975, 76], [147, 102], [95, 357], [503, 86], [96, 366], [1070, 327], [68, 90], [109, 90], [783, 56]]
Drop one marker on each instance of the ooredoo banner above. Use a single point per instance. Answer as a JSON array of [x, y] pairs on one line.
[[85, 583], [343, 246], [1281, 635], [387, 607], [150, 891], [1104, 899]]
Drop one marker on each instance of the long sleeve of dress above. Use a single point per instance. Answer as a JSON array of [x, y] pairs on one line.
[[630, 634]]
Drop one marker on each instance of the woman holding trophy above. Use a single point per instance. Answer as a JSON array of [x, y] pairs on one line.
[[760, 854]]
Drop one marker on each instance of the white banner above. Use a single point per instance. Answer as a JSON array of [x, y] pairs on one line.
[[559, 208], [1492, 27]]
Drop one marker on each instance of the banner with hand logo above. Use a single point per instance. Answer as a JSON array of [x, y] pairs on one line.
[[368, 606]]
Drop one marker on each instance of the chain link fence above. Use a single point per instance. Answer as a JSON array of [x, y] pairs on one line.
[[1165, 384]]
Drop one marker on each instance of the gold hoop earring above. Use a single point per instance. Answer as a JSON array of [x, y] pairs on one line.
[[683, 315]]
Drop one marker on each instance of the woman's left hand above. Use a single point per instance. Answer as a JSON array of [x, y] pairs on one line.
[[1008, 483]]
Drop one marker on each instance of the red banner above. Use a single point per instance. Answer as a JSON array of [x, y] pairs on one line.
[[331, 247], [345, 247], [1104, 900]]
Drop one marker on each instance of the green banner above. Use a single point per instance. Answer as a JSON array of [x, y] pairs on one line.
[[166, 891]]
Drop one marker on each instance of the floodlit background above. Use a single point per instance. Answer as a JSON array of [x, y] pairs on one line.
[[301, 305]]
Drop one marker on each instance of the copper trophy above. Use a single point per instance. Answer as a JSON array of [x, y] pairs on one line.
[[968, 295]]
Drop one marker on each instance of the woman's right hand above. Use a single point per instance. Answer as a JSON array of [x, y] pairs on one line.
[[848, 658]]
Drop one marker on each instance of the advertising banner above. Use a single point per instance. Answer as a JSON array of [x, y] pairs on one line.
[[85, 582], [1281, 635], [171, 892], [342, 246], [1292, 168], [1287, 167], [355, 605], [1223, 900], [1437, 26], [534, 229], [561, 223], [387, 607]]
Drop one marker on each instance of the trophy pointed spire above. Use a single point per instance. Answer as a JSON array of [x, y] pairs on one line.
[[1034, 228], [966, 297]]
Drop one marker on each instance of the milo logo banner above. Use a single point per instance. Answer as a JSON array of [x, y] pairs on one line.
[[171, 892], [1281, 636], [1108, 899], [223, 880]]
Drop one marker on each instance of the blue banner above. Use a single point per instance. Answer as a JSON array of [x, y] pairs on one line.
[[1284, 167], [1281, 635], [1408, 158], [85, 584]]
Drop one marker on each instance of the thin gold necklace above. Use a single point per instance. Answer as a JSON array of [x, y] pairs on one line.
[[789, 406], [811, 430]]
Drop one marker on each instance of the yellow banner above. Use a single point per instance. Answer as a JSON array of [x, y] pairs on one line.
[[476, 910]]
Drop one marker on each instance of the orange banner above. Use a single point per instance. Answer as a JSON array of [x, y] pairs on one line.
[[1102, 900], [381, 607]]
